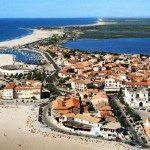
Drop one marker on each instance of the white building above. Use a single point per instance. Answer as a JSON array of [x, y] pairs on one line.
[[79, 84], [93, 123], [8, 91], [110, 130], [98, 127], [13, 70], [109, 58], [89, 120], [112, 85], [137, 97], [31, 90]]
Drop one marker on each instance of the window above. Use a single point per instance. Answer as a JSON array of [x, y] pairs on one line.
[[137, 95], [112, 130]]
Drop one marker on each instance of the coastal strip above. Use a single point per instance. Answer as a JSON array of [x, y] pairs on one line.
[[37, 35]]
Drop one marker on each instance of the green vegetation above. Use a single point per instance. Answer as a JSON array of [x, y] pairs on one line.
[[63, 80], [36, 75], [91, 86], [117, 112], [129, 111], [120, 97], [67, 55], [52, 40], [112, 31]]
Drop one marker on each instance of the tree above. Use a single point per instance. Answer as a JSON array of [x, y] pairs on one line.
[[19, 76], [34, 98], [91, 86], [29, 76], [5, 76], [16, 75], [67, 55]]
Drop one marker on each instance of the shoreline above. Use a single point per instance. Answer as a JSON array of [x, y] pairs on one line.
[[39, 34], [35, 36], [28, 129]]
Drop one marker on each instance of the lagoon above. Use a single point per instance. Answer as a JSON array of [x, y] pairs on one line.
[[118, 45]]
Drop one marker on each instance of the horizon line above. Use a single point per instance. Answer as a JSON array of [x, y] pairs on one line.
[[142, 17]]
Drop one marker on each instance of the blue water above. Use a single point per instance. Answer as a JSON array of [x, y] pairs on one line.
[[15, 28], [25, 56], [121, 45]]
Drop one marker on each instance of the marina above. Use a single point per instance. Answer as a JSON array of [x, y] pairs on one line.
[[25, 56]]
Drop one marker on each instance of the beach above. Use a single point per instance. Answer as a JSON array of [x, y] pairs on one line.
[[36, 35], [39, 34], [20, 130]]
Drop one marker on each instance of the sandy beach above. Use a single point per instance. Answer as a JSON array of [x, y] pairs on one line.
[[38, 35], [20, 130], [35, 36]]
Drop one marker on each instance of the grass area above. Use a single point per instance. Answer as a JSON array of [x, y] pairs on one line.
[[112, 31]]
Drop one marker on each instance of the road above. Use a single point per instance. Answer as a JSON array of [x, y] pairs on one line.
[[131, 128], [49, 57], [50, 79]]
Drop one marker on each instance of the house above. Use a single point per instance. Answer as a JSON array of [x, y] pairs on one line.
[[8, 91], [78, 84], [32, 89], [110, 130], [112, 85], [137, 97], [64, 105], [109, 58], [147, 127], [88, 94], [84, 119], [101, 96], [66, 72], [87, 119], [105, 111], [136, 84]]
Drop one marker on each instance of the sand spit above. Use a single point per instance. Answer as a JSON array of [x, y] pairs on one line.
[[35, 36]]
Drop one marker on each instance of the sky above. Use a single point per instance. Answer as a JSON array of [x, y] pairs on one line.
[[73, 8]]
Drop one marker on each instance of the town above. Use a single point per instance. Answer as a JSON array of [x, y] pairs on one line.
[[98, 95]]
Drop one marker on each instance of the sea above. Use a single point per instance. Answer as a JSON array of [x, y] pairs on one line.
[[19, 27], [16, 28]]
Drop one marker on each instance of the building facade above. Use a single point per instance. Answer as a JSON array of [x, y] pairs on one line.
[[137, 97], [31, 90], [112, 85]]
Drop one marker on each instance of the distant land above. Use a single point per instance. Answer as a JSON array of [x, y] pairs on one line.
[[125, 35]]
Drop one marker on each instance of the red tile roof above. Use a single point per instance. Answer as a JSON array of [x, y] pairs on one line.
[[137, 83], [9, 86], [66, 104]]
